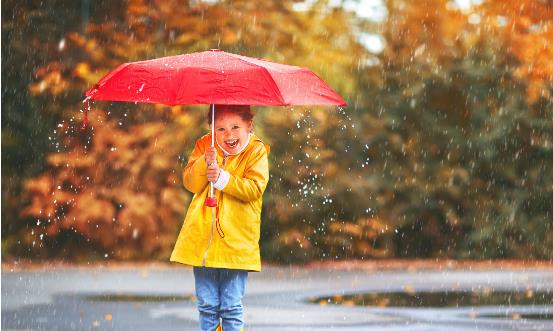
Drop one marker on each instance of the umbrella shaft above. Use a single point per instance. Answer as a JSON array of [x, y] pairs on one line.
[[213, 125], [212, 141]]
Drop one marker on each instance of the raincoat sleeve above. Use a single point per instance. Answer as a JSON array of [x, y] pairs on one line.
[[251, 185], [194, 174]]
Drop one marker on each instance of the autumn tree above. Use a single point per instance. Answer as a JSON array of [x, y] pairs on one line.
[[33, 44], [453, 131]]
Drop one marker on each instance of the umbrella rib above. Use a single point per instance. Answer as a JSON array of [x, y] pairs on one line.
[[277, 87]]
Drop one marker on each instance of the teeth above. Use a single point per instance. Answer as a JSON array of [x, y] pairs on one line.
[[232, 143]]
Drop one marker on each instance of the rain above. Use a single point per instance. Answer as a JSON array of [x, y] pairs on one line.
[[425, 203]]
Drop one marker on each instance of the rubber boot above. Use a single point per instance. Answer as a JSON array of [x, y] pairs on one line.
[[220, 328]]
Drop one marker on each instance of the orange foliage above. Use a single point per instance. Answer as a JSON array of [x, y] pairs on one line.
[[528, 27], [426, 31], [121, 192]]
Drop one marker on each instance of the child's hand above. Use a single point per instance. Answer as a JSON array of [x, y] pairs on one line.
[[213, 172], [210, 156]]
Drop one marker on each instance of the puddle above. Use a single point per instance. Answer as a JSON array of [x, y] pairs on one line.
[[518, 316], [440, 299], [131, 297]]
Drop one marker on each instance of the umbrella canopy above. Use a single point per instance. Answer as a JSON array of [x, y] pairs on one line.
[[214, 77]]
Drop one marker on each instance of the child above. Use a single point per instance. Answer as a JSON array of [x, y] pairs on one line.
[[223, 251]]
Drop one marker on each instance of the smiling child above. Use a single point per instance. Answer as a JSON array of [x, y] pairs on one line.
[[222, 243]]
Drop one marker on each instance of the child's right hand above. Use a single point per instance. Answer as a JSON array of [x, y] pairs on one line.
[[210, 155]]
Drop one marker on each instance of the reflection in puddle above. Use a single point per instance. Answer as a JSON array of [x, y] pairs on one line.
[[518, 316], [485, 297]]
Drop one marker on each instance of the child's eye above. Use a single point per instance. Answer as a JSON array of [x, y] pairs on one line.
[[220, 129], [235, 127]]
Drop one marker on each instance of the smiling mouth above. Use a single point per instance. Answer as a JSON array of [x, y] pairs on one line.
[[232, 143]]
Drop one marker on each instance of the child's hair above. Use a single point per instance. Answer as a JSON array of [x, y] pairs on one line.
[[244, 111]]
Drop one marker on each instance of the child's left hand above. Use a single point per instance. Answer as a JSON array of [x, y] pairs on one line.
[[213, 172]]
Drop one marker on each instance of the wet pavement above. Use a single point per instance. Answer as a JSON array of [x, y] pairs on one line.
[[128, 298]]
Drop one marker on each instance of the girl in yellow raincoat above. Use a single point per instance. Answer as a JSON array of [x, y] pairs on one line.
[[224, 250]]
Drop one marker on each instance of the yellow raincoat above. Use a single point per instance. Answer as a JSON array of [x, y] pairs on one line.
[[239, 203]]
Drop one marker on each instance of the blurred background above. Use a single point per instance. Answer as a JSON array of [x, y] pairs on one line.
[[444, 151]]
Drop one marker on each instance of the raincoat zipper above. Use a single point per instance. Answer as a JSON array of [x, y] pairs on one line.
[[210, 236], [213, 219]]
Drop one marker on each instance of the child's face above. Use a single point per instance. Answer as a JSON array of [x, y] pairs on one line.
[[231, 132]]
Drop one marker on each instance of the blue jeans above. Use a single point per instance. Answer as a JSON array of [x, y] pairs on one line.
[[219, 295]]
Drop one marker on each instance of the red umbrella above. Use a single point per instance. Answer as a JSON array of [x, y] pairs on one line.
[[213, 77]]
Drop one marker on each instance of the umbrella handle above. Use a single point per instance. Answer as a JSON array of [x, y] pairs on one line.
[[211, 200]]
